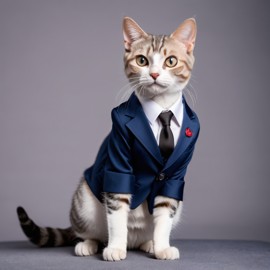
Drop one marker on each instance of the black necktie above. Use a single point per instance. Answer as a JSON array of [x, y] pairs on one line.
[[166, 142]]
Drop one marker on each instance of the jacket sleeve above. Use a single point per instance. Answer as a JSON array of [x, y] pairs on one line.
[[118, 175]]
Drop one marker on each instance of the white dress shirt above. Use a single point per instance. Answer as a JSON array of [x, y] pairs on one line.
[[152, 110]]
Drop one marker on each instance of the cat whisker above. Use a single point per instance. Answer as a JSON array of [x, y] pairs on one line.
[[125, 91], [194, 91], [141, 89], [122, 92], [191, 95]]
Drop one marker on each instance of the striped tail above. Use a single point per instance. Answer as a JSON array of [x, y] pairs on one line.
[[45, 237]]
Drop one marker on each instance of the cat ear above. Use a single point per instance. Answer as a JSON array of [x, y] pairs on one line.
[[132, 32], [186, 33]]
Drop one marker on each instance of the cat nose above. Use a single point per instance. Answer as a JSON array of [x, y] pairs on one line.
[[154, 75]]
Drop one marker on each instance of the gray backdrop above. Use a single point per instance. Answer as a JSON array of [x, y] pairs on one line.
[[61, 70]]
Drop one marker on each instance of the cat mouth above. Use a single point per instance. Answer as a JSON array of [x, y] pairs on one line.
[[155, 83], [157, 87]]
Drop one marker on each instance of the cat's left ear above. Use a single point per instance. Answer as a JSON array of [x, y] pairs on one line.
[[132, 32], [186, 33]]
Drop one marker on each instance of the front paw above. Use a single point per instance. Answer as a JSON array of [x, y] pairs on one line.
[[170, 253], [114, 254]]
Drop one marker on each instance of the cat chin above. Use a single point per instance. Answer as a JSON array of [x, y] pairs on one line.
[[149, 93], [155, 90]]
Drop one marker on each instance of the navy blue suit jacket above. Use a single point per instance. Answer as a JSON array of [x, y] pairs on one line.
[[129, 160]]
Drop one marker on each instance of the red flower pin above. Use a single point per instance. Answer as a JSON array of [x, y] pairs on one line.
[[188, 132]]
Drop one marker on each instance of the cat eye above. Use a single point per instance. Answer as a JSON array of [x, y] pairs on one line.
[[171, 61], [141, 61]]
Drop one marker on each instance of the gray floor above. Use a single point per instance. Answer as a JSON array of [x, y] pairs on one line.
[[195, 255]]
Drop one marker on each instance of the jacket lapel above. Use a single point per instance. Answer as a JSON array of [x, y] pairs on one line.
[[189, 121], [141, 129]]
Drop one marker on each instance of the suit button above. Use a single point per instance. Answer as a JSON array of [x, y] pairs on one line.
[[161, 177]]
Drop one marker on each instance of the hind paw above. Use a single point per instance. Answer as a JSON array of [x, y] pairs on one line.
[[86, 248], [147, 247]]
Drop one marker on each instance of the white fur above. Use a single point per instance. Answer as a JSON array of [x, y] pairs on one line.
[[165, 90], [163, 226], [126, 229], [86, 248], [117, 222], [94, 215]]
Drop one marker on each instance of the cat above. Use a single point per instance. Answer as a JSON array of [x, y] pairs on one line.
[[158, 68]]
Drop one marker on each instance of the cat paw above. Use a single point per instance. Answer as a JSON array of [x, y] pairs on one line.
[[114, 254], [86, 248], [148, 247], [170, 253]]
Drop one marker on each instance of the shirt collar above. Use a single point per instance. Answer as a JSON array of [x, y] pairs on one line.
[[152, 110], [177, 110]]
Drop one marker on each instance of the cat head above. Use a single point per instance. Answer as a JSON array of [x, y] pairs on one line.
[[158, 64]]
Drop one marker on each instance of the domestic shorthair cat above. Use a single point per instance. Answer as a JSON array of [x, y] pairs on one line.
[[131, 198]]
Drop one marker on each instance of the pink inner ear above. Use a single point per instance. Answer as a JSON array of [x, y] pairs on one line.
[[127, 41], [127, 45], [132, 32], [190, 47], [186, 33]]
